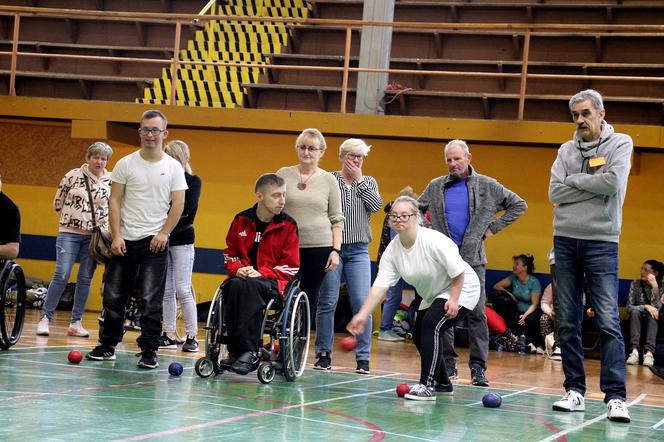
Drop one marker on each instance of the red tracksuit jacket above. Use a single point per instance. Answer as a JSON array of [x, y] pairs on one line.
[[278, 256]]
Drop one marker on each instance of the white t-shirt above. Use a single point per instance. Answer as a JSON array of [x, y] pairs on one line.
[[147, 195], [429, 266]]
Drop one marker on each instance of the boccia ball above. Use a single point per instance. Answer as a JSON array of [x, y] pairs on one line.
[[402, 389], [75, 356], [348, 343], [175, 369], [492, 400]]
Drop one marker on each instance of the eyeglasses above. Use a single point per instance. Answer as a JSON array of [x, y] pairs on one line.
[[309, 149], [401, 218], [355, 156], [150, 130]]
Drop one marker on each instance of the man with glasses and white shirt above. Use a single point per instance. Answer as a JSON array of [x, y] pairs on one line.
[[147, 198], [463, 205]]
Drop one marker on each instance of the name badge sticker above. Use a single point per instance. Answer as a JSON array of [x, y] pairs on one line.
[[596, 162]]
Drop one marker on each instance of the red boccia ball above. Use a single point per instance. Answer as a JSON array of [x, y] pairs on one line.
[[348, 343], [402, 389], [75, 356]]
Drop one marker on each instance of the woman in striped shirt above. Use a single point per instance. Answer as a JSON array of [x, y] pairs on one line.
[[359, 199]]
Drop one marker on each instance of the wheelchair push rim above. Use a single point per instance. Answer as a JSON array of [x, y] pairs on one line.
[[13, 301], [296, 333]]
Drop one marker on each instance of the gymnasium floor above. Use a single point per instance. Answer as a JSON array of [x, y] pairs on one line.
[[46, 398]]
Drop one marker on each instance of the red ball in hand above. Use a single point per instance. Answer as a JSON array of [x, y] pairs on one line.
[[348, 343], [402, 389], [75, 356]]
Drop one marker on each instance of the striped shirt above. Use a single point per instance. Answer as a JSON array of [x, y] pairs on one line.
[[358, 202]]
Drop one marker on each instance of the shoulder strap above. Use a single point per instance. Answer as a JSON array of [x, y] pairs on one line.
[[92, 204]]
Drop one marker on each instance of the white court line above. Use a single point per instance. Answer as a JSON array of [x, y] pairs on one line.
[[657, 425], [86, 367], [638, 399], [365, 378], [505, 395]]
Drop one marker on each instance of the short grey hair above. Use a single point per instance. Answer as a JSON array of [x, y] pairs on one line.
[[100, 148], [462, 144], [353, 144], [412, 202], [314, 134], [589, 94]]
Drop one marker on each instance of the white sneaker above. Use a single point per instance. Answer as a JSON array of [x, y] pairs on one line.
[[617, 411], [389, 335], [555, 354], [572, 401], [76, 329], [633, 358], [42, 326], [549, 341], [648, 360]]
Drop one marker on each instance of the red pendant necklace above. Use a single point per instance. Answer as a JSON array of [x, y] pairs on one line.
[[303, 183]]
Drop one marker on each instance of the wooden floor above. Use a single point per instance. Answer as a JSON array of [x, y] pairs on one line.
[[126, 403]]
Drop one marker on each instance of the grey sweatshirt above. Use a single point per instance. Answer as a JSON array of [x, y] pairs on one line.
[[588, 200], [486, 197]]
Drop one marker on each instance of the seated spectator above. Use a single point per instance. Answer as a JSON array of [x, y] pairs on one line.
[[262, 256], [519, 306], [643, 305]]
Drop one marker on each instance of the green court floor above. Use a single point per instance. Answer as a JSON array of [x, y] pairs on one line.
[[43, 397]]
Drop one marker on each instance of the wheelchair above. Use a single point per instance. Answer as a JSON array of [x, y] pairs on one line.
[[13, 303], [285, 343]]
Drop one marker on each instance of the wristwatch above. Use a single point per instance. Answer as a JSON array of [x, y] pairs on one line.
[[336, 250]]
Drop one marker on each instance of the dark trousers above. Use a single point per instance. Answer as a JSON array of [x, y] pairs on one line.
[[478, 331], [312, 273], [636, 318], [244, 306], [142, 273], [507, 308], [428, 336]]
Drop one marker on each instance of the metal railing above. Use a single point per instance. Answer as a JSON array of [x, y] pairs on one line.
[[525, 30]]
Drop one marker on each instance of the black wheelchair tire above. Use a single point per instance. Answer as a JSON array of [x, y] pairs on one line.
[[12, 313]]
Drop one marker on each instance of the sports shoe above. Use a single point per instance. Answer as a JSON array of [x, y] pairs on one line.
[[477, 377], [148, 359], [324, 362], [555, 354], [421, 392], [452, 373], [390, 336], [633, 358], [648, 360], [101, 353], [166, 342], [42, 327], [362, 367], [572, 401], [531, 349], [190, 345], [447, 389], [245, 363], [616, 411], [76, 329]]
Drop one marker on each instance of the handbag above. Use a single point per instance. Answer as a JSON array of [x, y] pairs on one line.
[[101, 239]]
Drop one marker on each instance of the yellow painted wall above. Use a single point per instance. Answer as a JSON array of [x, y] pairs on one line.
[[229, 159]]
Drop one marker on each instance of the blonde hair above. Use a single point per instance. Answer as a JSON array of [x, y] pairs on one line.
[[314, 134], [412, 202], [353, 144], [180, 151], [408, 191]]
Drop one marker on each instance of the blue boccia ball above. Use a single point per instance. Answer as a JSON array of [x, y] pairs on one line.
[[175, 368], [492, 400]]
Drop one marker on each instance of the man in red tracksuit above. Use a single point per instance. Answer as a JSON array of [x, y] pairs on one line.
[[262, 256]]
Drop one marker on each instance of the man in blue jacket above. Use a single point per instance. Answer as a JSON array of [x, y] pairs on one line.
[[587, 188]]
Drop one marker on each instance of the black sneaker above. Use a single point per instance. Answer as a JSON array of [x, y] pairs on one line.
[[148, 359], [447, 389], [166, 342], [102, 353], [452, 373], [324, 362], [362, 367], [478, 377], [191, 344]]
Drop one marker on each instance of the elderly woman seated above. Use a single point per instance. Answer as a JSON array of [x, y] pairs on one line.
[[643, 304]]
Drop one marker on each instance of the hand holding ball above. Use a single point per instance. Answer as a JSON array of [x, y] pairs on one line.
[[75, 356], [348, 343]]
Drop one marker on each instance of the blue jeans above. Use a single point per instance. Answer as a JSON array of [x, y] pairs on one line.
[[392, 303], [178, 288], [355, 266], [598, 262], [68, 248]]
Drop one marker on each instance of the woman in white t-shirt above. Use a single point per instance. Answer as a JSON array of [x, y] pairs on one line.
[[430, 262]]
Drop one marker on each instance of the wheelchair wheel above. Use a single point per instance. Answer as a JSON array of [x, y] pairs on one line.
[[204, 367], [266, 372], [212, 334], [295, 333], [12, 299]]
